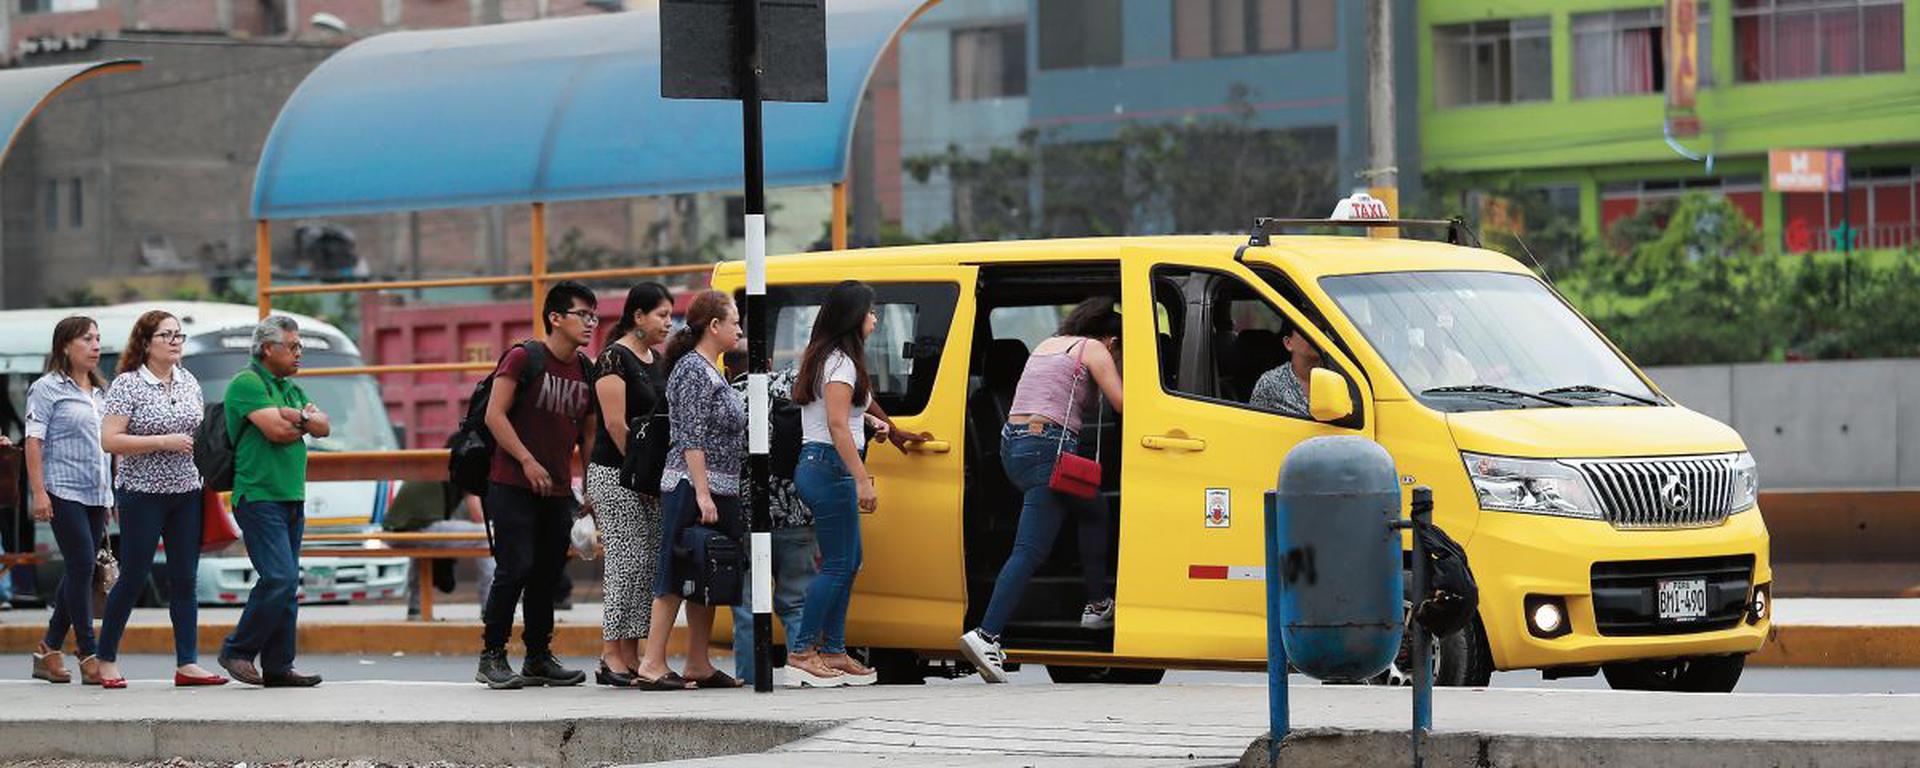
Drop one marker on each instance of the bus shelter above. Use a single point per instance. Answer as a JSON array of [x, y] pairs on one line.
[[529, 114]]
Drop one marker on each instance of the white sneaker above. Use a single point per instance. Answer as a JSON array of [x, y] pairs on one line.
[[985, 655], [1097, 615]]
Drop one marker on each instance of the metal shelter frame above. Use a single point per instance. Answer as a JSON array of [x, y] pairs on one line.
[[532, 113]]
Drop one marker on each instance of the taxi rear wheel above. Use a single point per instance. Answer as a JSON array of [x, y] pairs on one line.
[[1063, 674], [1701, 674]]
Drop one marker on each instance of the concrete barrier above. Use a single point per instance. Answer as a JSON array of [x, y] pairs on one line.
[[1329, 748]]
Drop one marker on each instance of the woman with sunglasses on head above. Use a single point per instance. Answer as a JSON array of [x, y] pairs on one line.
[[70, 480], [152, 411]]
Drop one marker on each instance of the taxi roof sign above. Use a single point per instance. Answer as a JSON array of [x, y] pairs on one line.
[[1360, 205]]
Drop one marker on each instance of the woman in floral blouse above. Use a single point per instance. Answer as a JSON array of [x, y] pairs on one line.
[[152, 410]]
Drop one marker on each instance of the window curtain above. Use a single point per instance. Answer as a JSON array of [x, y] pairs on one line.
[[1796, 45], [1884, 38], [966, 63], [1592, 63], [1840, 42], [1633, 64]]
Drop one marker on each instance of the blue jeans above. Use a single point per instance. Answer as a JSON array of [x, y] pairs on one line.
[[828, 490], [146, 518], [793, 571], [272, 531], [1029, 459], [78, 529]]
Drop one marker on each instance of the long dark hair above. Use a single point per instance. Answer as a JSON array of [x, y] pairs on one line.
[[1095, 318], [837, 329], [63, 334], [134, 354], [707, 308], [641, 298]]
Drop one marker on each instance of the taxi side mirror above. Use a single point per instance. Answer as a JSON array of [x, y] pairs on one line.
[[1327, 396]]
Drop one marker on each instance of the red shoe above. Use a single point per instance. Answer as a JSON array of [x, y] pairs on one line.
[[184, 680], [113, 682]]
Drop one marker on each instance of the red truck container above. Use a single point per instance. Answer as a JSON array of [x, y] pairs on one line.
[[429, 405]]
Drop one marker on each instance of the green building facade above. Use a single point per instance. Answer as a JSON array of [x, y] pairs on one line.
[[1568, 97]]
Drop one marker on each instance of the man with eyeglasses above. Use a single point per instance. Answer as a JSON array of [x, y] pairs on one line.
[[540, 409], [269, 419]]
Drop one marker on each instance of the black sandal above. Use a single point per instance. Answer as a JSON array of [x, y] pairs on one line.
[[718, 679], [671, 681]]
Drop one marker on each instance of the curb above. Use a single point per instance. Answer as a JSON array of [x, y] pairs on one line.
[[377, 639], [1839, 646], [1341, 748], [1787, 646], [562, 743]]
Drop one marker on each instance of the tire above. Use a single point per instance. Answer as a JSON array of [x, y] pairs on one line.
[[1700, 674], [1460, 660], [1066, 675]]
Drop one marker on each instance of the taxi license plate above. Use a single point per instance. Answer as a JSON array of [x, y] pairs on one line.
[[1683, 599]]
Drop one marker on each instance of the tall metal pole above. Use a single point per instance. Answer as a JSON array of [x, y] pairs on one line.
[[1421, 655], [759, 438], [1278, 718], [1383, 174]]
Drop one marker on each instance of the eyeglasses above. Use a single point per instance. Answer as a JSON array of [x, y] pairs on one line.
[[171, 337], [293, 347], [588, 317]]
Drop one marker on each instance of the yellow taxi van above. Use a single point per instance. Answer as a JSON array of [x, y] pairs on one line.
[[1608, 527]]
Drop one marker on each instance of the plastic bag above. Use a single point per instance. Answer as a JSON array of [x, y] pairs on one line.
[[586, 538]]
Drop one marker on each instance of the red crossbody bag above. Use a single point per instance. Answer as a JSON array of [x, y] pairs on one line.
[[1073, 474]]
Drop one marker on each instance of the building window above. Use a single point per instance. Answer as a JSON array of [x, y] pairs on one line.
[[736, 213], [990, 62], [1620, 200], [50, 204], [57, 6], [1797, 39], [1211, 29], [75, 205], [1077, 34], [1881, 204], [1624, 52], [1492, 62]]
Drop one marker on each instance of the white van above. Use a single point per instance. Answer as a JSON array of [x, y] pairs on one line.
[[219, 337]]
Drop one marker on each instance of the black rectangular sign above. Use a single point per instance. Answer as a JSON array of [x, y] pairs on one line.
[[700, 56]]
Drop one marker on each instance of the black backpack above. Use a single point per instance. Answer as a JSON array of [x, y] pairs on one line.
[[1452, 596], [470, 449], [710, 564], [213, 449], [784, 428]]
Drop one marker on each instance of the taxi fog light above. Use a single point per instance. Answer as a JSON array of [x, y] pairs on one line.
[[1762, 602], [1546, 617]]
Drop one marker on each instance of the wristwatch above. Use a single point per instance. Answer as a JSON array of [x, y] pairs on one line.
[[302, 426]]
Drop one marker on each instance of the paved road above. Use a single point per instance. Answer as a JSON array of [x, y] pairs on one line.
[[444, 668]]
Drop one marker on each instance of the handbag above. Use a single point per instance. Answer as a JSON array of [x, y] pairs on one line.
[[106, 569], [648, 439], [1075, 475], [217, 528]]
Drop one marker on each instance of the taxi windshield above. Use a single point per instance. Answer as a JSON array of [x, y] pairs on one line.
[[1485, 340]]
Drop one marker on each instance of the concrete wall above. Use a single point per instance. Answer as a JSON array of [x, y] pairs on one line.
[[1845, 424]]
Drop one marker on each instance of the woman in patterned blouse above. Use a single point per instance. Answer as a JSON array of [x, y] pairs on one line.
[[701, 483], [152, 411]]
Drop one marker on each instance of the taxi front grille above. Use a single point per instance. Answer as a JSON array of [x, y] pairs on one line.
[[1665, 492]]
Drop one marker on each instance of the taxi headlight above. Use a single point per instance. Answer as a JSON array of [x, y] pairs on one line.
[[1532, 486], [1746, 482]]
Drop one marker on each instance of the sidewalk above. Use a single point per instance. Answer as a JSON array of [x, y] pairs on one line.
[[1808, 632], [974, 725]]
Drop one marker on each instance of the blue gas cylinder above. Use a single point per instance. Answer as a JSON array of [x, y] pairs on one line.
[[1341, 594]]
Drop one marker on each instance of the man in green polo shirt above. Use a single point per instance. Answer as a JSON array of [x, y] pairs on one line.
[[269, 419]]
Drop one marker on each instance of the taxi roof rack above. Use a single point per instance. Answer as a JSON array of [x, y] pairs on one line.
[[1457, 232]]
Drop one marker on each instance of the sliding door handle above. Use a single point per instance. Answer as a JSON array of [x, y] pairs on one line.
[[1173, 443]]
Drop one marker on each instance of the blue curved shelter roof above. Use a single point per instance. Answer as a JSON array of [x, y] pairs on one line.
[[543, 111], [24, 91]]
